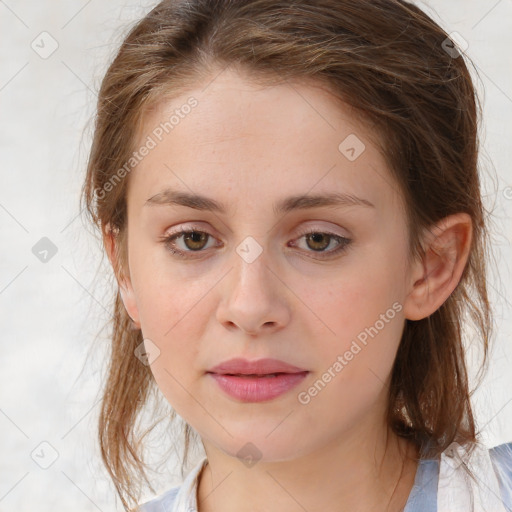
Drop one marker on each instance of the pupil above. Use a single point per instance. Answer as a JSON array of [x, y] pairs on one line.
[[317, 237], [195, 236]]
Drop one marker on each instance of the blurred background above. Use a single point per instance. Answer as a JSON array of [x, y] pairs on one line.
[[55, 286]]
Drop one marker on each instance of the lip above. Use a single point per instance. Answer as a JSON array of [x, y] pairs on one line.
[[265, 366], [250, 381]]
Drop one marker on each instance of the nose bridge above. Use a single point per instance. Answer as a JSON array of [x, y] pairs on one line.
[[251, 269], [251, 295]]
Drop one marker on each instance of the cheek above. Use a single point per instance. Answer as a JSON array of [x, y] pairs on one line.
[[356, 361], [357, 297], [161, 294], [172, 313], [362, 310]]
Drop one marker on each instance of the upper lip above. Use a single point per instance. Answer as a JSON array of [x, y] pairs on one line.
[[258, 367]]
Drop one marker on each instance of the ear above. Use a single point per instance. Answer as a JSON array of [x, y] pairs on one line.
[[434, 278], [110, 241]]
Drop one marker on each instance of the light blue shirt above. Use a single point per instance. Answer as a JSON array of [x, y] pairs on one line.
[[422, 498]]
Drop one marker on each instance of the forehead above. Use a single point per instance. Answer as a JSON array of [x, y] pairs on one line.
[[255, 140]]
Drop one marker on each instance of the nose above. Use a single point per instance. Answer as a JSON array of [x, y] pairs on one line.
[[254, 298]]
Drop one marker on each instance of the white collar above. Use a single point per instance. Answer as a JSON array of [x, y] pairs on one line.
[[457, 491]]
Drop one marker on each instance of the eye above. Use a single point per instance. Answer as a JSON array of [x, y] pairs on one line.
[[320, 240], [195, 240]]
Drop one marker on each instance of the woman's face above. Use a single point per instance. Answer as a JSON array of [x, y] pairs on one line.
[[251, 283]]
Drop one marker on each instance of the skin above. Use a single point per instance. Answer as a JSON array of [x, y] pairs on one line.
[[249, 146]]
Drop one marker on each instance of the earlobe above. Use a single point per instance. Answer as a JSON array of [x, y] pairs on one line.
[[434, 278]]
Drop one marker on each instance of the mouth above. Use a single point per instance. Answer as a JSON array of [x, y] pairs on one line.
[[244, 367], [256, 375], [256, 381], [247, 387]]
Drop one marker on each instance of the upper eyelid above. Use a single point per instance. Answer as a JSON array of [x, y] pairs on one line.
[[181, 230], [195, 226]]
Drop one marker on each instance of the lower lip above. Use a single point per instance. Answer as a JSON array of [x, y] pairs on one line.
[[258, 389]]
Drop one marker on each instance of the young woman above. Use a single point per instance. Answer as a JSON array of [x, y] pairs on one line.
[[288, 193]]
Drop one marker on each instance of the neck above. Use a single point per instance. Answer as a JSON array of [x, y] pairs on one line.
[[352, 475]]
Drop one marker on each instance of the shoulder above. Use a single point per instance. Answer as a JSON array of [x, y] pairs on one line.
[[163, 503], [502, 454], [424, 494], [490, 472], [501, 457]]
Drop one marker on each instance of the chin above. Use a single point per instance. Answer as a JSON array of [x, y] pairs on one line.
[[253, 449]]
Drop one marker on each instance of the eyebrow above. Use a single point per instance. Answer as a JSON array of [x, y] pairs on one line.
[[171, 197]]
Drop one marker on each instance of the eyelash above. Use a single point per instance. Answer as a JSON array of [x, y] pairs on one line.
[[168, 241]]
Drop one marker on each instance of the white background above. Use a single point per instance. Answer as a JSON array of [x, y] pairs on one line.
[[50, 312]]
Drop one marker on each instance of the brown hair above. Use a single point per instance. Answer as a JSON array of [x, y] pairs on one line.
[[388, 60]]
